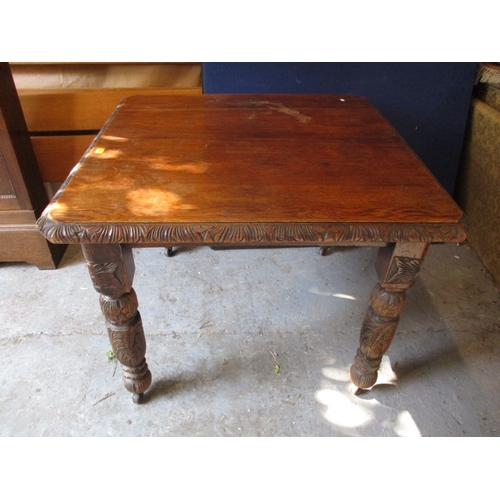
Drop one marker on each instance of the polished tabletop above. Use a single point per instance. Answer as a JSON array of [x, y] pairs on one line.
[[233, 169]]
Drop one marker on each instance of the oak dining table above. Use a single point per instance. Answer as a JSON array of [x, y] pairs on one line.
[[250, 171]]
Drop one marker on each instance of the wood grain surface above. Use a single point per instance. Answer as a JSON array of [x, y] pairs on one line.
[[251, 160]]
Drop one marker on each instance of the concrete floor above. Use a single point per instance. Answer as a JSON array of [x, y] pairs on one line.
[[218, 323]]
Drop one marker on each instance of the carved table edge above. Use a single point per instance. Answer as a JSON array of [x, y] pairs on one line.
[[313, 233]]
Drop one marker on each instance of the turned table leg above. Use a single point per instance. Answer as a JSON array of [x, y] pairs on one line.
[[397, 268], [111, 269]]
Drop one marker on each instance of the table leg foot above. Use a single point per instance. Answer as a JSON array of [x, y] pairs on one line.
[[138, 398], [171, 251]]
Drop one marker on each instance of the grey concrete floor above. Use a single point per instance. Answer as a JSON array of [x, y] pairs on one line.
[[218, 323]]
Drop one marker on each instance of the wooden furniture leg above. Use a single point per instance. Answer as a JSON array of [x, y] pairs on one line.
[[111, 269], [397, 268]]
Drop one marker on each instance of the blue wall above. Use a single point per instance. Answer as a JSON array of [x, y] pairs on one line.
[[427, 103]]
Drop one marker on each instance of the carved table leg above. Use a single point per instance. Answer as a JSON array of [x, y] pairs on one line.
[[397, 267], [111, 268]]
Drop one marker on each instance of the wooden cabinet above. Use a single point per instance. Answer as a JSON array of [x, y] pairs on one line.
[[22, 193]]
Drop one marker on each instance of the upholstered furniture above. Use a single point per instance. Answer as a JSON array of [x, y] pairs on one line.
[[478, 188]]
